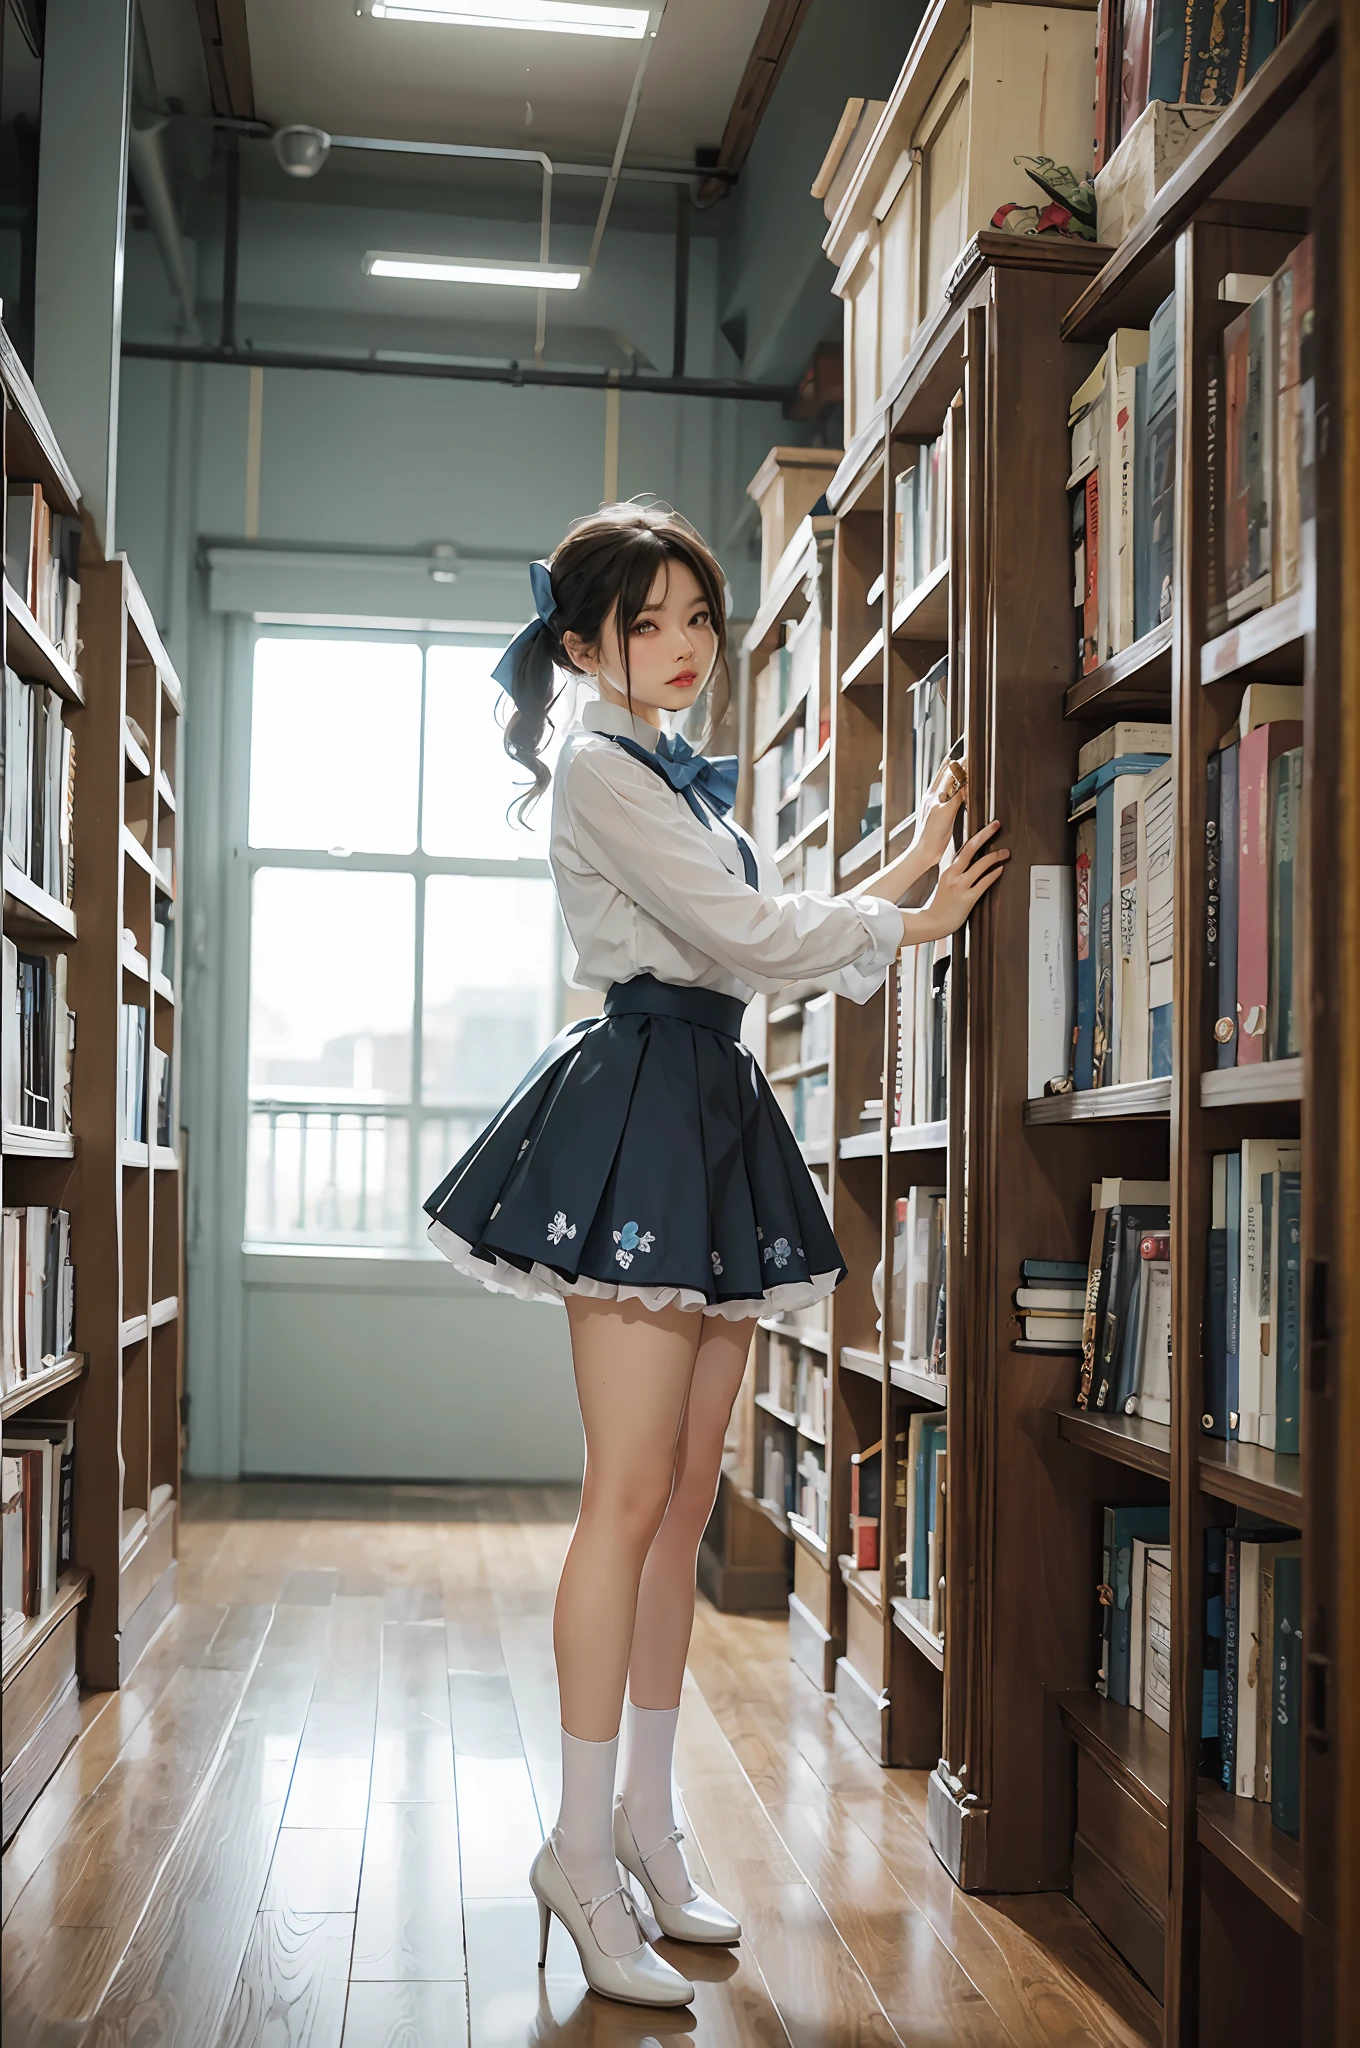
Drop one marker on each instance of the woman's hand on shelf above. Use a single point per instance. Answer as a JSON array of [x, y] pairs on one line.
[[939, 808], [967, 877]]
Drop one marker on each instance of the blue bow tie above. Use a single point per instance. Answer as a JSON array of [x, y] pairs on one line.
[[715, 780]]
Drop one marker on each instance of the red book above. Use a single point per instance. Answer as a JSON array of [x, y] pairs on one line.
[[1254, 756], [864, 1545], [1090, 610], [1136, 66]]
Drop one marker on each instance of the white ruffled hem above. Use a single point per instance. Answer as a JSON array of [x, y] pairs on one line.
[[540, 1283]]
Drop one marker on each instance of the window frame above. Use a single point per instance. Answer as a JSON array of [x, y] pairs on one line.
[[421, 866]]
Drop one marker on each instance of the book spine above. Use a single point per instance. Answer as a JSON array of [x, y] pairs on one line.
[[1227, 1689], [1210, 1762], [1288, 1320], [1213, 776], [1091, 648], [1286, 1676], [1102, 938], [1109, 1324], [1214, 1420], [1215, 486], [1282, 1034], [1233, 1283], [1086, 958], [1225, 1028], [1253, 896]]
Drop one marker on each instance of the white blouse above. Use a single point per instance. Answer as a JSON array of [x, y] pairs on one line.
[[647, 888]]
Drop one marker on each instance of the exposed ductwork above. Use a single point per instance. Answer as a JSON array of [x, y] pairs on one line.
[[149, 165]]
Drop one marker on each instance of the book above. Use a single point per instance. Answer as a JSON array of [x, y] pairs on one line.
[[1159, 471], [1126, 1224], [1057, 1272], [1213, 771], [1260, 748], [1227, 1689], [1127, 351], [1131, 987], [1138, 1617], [1250, 382], [1232, 1234], [1215, 486], [1085, 421], [1157, 1640], [1053, 1329], [1288, 1321], [1270, 1555], [1225, 1028], [1211, 1651], [1157, 830], [1151, 1394], [1284, 1036], [1126, 736], [1056, 1300], [1263, 1160], [1052, 976], [1084, 1027], [1263, 703], [1287, 1674], [1103, 1071], [1214, 1419], [50, 1443], [1247, 1669], [1199, 52], [1293, 290], [1123, 1524]]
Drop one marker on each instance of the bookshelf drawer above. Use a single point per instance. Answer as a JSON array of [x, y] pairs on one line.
[[1122, 1917], [1122, 1832], [864, 1641], [37, 1686]]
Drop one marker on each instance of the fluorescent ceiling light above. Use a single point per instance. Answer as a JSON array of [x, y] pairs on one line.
[[538, 277], [556, 17]]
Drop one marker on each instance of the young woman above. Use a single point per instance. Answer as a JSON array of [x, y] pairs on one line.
[[642, 1173]]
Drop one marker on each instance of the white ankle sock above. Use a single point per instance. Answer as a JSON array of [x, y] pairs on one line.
[[648, 1800], [584, 1836]]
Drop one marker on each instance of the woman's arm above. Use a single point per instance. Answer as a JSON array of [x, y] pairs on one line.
[[930, 840], [963, 879]]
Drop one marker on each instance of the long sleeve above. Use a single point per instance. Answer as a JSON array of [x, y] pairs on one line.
[[639, 836]]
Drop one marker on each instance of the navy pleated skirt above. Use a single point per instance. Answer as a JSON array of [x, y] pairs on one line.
[[642, 1158]]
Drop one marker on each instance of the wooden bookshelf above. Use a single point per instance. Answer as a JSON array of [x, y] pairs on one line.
[[122, 1381], [1230, 1918]]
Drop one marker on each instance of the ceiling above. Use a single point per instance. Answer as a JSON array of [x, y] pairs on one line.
[[332, 63]]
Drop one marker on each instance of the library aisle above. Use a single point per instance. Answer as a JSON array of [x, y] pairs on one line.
[[308, 1818]]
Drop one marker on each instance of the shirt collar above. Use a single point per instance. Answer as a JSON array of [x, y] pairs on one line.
[[597, 716]]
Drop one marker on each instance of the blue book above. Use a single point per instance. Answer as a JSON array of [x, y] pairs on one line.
[[1215, 1547], [1286, 1693], [1214, 1417], [1199, 50], [1160, 1036], [1289, 1298], [1233, 1259], [1092, 783], [932, 1436], [1144, 595], [1153, 1525], [1227, 1691], [1286, 792], [1063, 1272], [1226, 1045]]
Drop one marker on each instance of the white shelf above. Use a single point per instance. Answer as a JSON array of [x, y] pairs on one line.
[[35, 906], [59, 1374], [869, 848], [22, 1143]]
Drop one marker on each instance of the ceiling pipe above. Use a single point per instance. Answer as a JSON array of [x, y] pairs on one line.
[[629, 116], [528, 376], [149, 166]]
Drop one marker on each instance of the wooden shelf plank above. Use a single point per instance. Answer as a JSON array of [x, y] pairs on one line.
[[911, 1619], [20, 1142], [804, 1533], [32, 655], [926, 1386], [165, 1158], [137, 965], [1269, 644], [1097, 1105], [1241, 1833], [862, 855], [136, 766], [1132, 1749], [143, 628], [769, 1406], [1138, 677], [70, 1592], [787, 594], [933, 1137], [1240, 129], [134, 851], [859, 671], [27, 1391], [164, 1311], [1270, 1081], [29, 907], [863, 1145], [798, 1071], [165, 796], [923, 613], [818, 1154], [1269, 1482], [865, 1585], [867, 1363], [132, 1152], [813, 1340], [1127, 1439], [773, 1513], [133, 1331], [809, 831]]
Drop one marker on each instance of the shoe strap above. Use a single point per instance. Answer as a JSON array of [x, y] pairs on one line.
[[590, 1907], [676, 1835]]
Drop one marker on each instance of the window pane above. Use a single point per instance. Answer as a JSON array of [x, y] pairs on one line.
[[332, 986], [327, 1176], [335, 745], [470, 780], [490, 986]]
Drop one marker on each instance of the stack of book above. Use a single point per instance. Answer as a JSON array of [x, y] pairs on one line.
[[1051, 1304], [37, 1308], [1252, 1307], [36, 1472], [1135, 1610], [920, 518], [921, 1465], [39, 787], [1253, 1582], [132, 1068], [1122, 421], [1254, 878], [1126, 1319], [1124, 807], [1186, 55], [42, 562], [38, 1041], [814, 1495], [1262, 548], [917, 1327]]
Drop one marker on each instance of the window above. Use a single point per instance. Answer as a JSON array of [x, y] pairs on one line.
[[405, 945]]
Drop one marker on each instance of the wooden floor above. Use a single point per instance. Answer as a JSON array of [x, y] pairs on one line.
[[307, 1821]]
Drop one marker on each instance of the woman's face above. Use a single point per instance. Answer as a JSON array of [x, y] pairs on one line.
[[672, 646]]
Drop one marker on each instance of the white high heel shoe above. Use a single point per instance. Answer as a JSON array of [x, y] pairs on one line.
[[638, 1978], [698, 1919]]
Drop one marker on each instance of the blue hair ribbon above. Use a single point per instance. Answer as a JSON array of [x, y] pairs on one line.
[[545, 606]]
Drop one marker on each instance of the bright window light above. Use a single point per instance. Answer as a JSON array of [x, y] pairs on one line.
[[454, 270], [555, 17]]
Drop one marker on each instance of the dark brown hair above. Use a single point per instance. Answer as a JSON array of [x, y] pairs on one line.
[[606, 566]]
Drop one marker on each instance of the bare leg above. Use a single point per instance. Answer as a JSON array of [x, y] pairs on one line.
[[665, 1607], [633, 1371]]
